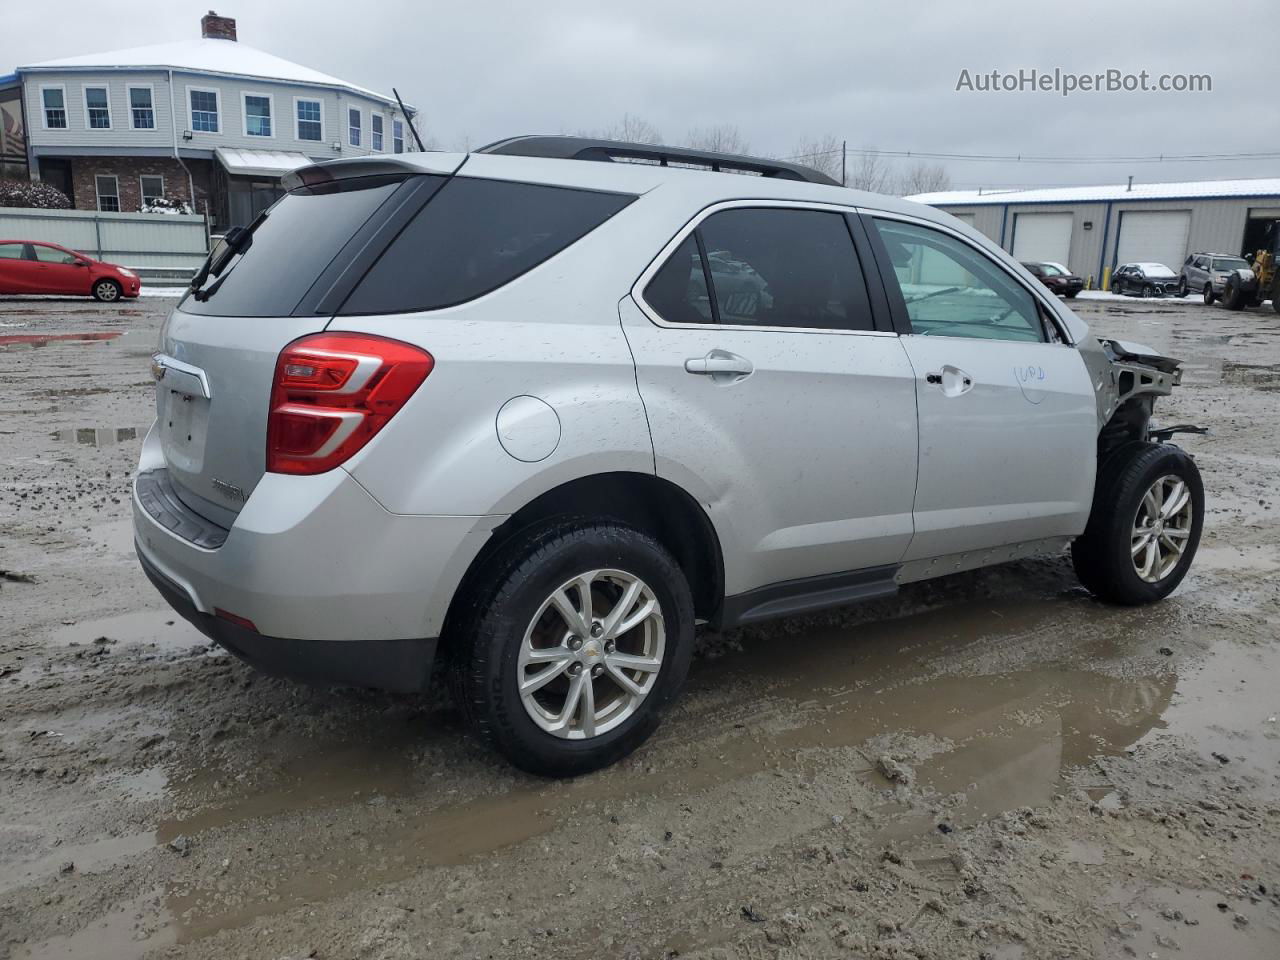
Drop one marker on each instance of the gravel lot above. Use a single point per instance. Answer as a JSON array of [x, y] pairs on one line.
[[992, 765]]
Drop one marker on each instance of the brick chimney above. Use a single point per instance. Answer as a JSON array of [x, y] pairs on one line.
[[214, 27]]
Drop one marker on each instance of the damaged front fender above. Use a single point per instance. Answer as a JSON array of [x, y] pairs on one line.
[[1122, 372]]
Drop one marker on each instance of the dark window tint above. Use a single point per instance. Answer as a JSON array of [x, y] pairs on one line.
[[678, 291], [291, 245], [951, 290], [785, 268], [473, 237]]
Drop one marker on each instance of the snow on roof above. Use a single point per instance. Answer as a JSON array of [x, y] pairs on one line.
[[1193, 189], [204, 56], [273, 163]]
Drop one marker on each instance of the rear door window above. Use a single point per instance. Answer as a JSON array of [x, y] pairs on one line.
[[776, 267], [474, 236], [292, 244], [678, 291], [10, 251]]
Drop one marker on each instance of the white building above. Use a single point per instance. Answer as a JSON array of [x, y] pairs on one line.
[[209, 120], [1094, 229]]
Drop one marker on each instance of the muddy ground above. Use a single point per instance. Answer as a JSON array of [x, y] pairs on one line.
[[1070, 779]]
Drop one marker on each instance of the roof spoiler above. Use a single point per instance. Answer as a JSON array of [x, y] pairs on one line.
[[314, 174], [587, 148]]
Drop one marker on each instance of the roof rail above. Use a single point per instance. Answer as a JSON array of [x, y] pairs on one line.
[[588, 148]]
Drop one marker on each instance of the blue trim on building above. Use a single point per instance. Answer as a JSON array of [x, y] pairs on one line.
[[1004, 222]]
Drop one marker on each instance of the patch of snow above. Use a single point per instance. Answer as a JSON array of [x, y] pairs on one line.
[[1248, 187]]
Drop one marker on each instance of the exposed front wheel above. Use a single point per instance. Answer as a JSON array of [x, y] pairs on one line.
[[108, 291], [1148, 511], [575, 646]]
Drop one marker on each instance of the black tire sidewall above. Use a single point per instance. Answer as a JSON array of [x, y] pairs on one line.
[[1129, 482], [1208, 295], [500, 633], [98, 284]]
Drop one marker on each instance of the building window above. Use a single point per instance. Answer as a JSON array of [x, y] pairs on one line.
[[108, 188], [97, 108], [204, 110], [152, 189], [55, 107], [353, 126], [397, 136], [257, 115], [310, 120], [375, 131], [142, 110]]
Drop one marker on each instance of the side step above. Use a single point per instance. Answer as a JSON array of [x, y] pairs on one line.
[[792, 597]]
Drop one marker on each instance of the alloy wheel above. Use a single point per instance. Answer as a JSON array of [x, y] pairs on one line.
[[591, 654], [1161, 528], [107, 291]]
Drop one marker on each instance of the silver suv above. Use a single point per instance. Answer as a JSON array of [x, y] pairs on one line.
[[542, 417], [1206, 274]]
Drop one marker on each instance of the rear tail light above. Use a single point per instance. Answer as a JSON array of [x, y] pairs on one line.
[[332, 393]]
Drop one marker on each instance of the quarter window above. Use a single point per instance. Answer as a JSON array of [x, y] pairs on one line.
[[257, 115], [375, 131], [142, 112], [310, 126], [55, 108], [10, 251], [353, 126], [97, 108], [678, 291], [204, 111], [773, 267], [152, 189], [397, 136], [951, 290], [108, 189]]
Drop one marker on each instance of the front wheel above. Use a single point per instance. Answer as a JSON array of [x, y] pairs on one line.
[[567, 660], [1182, 287], [107, 291], [1148, 290], [1208, 295], [1143, 531]]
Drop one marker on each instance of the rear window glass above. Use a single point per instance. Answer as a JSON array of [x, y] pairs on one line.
[[293, 242], [474, 236]]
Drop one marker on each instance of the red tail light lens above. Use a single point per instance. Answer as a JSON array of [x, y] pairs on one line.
[[332, 393]]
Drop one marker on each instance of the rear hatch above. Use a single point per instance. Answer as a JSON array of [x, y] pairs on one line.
[[282, 279]]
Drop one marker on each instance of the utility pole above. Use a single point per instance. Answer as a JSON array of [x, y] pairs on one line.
[[844, 162]]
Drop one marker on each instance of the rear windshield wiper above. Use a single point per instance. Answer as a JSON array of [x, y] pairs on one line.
[[236, 241]]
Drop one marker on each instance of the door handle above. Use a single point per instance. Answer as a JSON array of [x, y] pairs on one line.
[[953, 381], [721, 365]]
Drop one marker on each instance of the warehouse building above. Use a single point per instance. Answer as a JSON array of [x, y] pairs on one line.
[[1093, 229]]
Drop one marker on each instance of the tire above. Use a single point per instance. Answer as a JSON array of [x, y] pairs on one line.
[[1182, 287], [512, 614], [1148, 290], [1103, 556], [107, 291], [1208, 295], [1232, 295], [1071, 294]]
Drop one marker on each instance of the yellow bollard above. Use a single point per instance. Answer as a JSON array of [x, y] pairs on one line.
[[1106, 279]]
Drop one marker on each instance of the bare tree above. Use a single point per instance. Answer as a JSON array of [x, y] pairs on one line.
[[821, 153], [631, 128], [720, 138], [869, 171], [923, 178]]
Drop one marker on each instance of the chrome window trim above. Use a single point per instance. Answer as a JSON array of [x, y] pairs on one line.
[[1041, 296], [637, 288]]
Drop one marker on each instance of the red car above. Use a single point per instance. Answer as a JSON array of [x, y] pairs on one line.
[[27, 267]]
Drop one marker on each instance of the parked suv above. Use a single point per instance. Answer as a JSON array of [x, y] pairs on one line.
[[1206, 273], [1145, 279], [541, 416]]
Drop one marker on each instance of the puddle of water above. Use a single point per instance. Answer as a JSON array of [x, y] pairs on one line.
[[163, 628], [149, 784], [120, 935], [44, 339], [97, 436], [1170, 922], [88, 857]]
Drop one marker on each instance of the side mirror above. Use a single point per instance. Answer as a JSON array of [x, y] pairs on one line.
[[79, 263]]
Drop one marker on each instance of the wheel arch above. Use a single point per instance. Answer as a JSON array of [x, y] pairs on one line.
[[644, 501]]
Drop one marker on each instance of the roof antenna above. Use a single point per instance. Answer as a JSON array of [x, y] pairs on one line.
[[412, 129]]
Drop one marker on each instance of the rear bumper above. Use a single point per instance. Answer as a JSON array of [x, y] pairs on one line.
[[397, 665]]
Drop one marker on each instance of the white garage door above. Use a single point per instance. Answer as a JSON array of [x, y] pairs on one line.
[[1042, 237], [1154, 237], [964, 217]]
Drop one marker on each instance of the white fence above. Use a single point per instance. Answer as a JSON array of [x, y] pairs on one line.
[[155, 244]]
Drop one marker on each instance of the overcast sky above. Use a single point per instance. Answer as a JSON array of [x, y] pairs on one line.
[[881, 75]]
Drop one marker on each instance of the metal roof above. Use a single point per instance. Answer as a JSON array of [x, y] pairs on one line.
[[1188, 190]]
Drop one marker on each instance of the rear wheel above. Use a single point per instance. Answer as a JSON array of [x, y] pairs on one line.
[[567, 657], [108, 291], [1148, 510], [1208, 295]]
